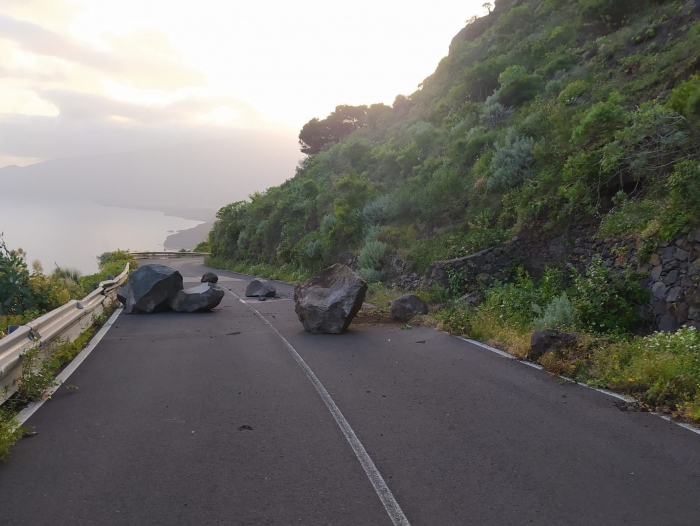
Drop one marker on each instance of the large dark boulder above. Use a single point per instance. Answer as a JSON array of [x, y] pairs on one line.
[[327, 303], [150, 289], [542, 342], [210, 277], [260, 287], [407, 306], [201, 298]]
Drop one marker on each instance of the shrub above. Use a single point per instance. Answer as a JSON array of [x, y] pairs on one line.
[[515, 18], [559, 314], [314, 250], [203, 246], [683, 207], [371, 275], [662, 369], [511, 74], [685, 98], [607, 301], [513, 302], [684, 188], [646, 148], [520, 91], [478, 139], [600, 122], [573, 91], [372, 255], [10, 432], [512, 162], [327, 223], [612, 12], [559, 63], [15, 293], [377, 212], [630, 217], [494, 114], [553, 87], [372, 233]]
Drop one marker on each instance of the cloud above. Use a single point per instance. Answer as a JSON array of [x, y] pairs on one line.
[[73, 105], [31, 74], [90, 124], [45, 11], [150, 65]]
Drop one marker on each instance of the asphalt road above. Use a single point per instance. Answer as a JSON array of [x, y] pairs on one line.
[[209, 419]]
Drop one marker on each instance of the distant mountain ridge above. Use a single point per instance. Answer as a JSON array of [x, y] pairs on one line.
[[204, 175]]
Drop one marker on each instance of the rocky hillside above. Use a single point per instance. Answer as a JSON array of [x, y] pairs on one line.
[[547, 119]]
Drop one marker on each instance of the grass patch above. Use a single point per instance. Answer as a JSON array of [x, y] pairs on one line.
[[487, 325], [288, 272]]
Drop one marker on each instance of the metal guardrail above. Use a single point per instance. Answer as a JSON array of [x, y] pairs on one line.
[[63, 324], [167, 254]]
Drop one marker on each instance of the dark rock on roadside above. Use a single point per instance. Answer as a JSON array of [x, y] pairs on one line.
[[406, 307], [210, 277], [542, 342], [327, 303], [201, 298], [151, 288], [260, 287]]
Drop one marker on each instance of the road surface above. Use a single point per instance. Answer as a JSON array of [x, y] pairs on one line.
[[208, 419]]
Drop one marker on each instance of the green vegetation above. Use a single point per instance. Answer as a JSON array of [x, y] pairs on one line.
[[26, 295], [288, 273], [204, 246], [561, 108], [600, 302], [541, 115], [39, 370], [662, 370]]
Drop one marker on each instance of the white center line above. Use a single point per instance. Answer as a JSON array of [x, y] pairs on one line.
[[396, 514], [385, 495]]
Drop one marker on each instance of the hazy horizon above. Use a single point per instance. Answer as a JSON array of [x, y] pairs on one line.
[[81, 78], [160, 105]]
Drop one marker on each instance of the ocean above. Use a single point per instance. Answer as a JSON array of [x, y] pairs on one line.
[[74, 234]]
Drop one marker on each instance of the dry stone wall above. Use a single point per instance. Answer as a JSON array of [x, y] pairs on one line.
[[671, 272]]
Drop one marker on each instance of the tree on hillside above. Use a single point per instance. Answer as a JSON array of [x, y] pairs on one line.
[[339, 124]]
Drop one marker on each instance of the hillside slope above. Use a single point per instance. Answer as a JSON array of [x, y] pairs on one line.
[[543, 113]]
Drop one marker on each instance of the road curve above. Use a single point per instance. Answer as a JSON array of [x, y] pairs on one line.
[[209, 419]]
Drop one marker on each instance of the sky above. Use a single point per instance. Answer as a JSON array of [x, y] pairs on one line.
[[92, 77]]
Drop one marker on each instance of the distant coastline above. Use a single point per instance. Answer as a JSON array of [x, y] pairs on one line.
[[188, 239]]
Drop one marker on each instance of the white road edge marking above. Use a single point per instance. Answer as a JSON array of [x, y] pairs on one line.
[[604, 391], [28, 411], [385, 495]]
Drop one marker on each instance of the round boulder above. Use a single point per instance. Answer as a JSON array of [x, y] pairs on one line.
[[210, 277], [406, 307]]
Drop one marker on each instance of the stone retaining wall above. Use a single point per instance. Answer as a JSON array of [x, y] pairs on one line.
[[672, 270]]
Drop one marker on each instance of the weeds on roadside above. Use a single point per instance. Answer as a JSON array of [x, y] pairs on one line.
[[10, 432], [287, 272], [38, 376]]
